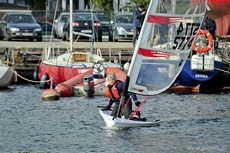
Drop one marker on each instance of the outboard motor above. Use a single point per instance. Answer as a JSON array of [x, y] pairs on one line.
[[88, 85]]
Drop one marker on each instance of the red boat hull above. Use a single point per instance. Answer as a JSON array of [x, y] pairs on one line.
[[60, 73]]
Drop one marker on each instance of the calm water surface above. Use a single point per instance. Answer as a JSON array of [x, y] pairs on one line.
[[190, 123]]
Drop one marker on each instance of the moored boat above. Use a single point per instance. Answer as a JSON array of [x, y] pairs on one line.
[[87, 84], [6, 75], [70, 64], [7, 68]]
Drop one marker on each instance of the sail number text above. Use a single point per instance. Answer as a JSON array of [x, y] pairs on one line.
[[185, 35]]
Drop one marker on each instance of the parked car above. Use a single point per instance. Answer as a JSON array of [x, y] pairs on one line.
[[46, 27], [20, 25], [105, 21], [59, 23], [82, 22], [121, 28]]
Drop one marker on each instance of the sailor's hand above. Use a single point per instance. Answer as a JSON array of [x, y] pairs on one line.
[[137, 103], [109, 86], [108, 107]]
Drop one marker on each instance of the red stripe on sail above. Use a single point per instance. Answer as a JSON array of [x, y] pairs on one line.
[[152, 53], [163, 19], [209, 1]]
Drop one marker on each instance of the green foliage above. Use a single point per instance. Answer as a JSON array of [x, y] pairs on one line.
[[107, 5], [138, 2]]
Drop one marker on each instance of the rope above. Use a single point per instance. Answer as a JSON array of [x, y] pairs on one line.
[[28, 79], [130, 57]]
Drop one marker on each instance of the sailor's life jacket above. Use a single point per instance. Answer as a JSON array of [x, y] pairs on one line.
[[115, 91]]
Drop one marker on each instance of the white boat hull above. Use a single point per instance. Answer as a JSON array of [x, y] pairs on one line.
[[123, 123], [6, 75]]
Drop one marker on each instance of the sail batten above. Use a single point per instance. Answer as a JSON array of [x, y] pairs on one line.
[[164, 44]]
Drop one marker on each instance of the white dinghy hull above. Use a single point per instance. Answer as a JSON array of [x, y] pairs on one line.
[[122, 122]]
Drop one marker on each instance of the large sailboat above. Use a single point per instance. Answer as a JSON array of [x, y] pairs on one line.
[[157, 61]]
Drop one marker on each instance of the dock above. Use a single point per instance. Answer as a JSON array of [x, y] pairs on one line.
[[28, 53]]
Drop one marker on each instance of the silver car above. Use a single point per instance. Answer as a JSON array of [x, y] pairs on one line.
[[59, 23], [121, 27]]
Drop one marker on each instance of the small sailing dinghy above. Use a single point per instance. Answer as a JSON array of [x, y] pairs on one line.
[[124, 123], [159, 59]]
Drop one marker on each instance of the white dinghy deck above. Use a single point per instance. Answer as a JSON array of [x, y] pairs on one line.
[[124, 123]]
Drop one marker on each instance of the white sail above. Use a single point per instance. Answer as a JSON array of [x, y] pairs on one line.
[[164, 44]]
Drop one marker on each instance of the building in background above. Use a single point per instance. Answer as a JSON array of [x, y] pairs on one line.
[[13, 5]]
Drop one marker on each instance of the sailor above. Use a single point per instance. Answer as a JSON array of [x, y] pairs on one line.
[[210, 25], [115, 88]]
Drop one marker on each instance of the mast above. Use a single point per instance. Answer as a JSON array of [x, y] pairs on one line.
[[93, 36], [71, 25]]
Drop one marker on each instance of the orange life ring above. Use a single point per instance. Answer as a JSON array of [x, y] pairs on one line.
[[210, 42]]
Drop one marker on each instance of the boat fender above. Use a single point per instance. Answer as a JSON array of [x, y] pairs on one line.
[[43, 83], [16, 76], [210, 42], [126, 67], [50, 94], [36, 73]]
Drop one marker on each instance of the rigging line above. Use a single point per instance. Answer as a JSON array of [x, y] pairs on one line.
[[163, 3], [226, 61], [138, 107], [131, 54], [93, 32]]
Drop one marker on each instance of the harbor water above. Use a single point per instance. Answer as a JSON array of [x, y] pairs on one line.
[[195, 123]]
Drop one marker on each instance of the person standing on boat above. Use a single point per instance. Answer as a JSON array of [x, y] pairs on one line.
[[210, 25], [138, 19], [115, 88]]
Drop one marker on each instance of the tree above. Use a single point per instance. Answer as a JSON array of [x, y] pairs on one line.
[[138, 2], [107, 5]]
